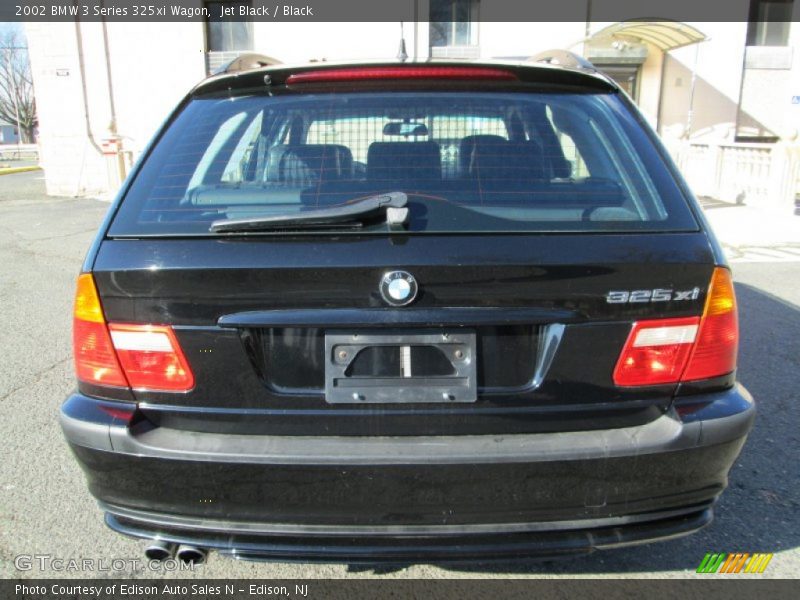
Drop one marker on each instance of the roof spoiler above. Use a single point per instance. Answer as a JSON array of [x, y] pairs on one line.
[[563, 58], [247, 62]]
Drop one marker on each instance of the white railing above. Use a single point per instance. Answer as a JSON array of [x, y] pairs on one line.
[[761, 175], [19, 152]]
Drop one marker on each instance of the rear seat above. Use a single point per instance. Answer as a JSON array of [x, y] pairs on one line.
[[503, 162], [467, 145], [305, 165], [390, 163]]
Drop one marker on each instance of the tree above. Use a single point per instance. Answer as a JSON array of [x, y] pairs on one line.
[[17, 104]]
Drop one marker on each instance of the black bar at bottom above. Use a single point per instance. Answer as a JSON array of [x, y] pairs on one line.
[[460, 589]]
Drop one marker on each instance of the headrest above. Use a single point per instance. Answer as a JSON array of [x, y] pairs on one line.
[[308, 164]]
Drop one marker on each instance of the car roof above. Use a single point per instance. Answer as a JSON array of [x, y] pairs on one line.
[[579, 75]]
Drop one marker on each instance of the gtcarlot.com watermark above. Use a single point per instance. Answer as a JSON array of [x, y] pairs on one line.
[[50, 562]]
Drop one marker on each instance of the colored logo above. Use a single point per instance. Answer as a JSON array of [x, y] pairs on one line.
[[737, 562], [398, 288]]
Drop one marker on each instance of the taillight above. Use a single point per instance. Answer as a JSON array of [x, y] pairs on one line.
[[656, 352], [143, 357], [95, 360], [718, 339], [151, 357], [376, 73], [663, 351]]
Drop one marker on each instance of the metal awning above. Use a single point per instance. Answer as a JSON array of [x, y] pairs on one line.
[[665, 35]]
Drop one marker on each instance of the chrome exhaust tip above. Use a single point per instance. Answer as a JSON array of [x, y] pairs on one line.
[[158, 550], [191, 555]]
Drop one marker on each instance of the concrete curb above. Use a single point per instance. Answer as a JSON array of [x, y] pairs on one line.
[[12, 170]]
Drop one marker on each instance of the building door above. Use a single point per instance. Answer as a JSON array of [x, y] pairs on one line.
[[626, 76]]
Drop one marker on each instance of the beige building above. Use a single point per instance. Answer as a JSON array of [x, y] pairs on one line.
[[734, 83]]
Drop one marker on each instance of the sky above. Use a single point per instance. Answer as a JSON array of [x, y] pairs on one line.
[[4, 27]]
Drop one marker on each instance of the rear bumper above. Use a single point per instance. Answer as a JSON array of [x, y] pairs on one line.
[[406, 498], [576, 537]]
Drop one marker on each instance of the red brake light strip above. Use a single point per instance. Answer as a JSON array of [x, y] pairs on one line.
[[378, 73]]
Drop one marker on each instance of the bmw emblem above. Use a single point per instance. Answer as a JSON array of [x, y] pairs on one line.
[[398, 288]]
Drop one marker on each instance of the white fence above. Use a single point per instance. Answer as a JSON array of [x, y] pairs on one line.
[[19, 152], [762, 175]]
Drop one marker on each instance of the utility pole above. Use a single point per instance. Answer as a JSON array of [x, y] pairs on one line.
[[690, 112]]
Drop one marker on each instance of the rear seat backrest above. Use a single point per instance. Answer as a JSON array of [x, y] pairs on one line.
[[304, 165], [404, 162], [467, 145], [506, 161], [553, 155]]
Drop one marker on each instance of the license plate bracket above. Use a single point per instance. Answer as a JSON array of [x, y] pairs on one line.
[[343, 347]]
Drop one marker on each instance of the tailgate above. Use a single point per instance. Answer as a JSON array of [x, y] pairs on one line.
[[537, 317]]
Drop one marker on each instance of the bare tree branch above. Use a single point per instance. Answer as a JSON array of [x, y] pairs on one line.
[[16, 88]]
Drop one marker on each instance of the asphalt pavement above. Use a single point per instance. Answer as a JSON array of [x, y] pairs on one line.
[[46, 510]]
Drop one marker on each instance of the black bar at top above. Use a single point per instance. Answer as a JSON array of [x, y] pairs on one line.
[[377, 10]]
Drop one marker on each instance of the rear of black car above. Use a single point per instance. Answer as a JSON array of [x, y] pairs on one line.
[[525, 345]]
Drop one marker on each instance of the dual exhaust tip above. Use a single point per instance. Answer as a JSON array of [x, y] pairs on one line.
[[160, 550]]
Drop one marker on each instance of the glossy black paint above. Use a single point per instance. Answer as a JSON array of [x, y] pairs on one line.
[[547, 78], [197, 283], [376, 318], [292, 360], [403, 494], [225, 296], [231, 300], [274, 505], [99, 412], [431, 549]]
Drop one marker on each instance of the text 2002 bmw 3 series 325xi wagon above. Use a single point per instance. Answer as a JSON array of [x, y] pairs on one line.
[[401, 312]]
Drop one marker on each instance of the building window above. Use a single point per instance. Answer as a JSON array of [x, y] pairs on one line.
[[226, 35], [769, 22], [453, 23]]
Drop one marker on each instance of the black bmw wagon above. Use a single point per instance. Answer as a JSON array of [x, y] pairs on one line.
[[405, 312]]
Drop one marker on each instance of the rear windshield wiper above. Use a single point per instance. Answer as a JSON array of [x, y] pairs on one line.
[[389, 208]]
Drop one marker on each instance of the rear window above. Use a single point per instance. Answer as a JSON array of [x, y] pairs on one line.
[[469, 162]]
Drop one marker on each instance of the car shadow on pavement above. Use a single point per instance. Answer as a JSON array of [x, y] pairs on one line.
[[758, 511]]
